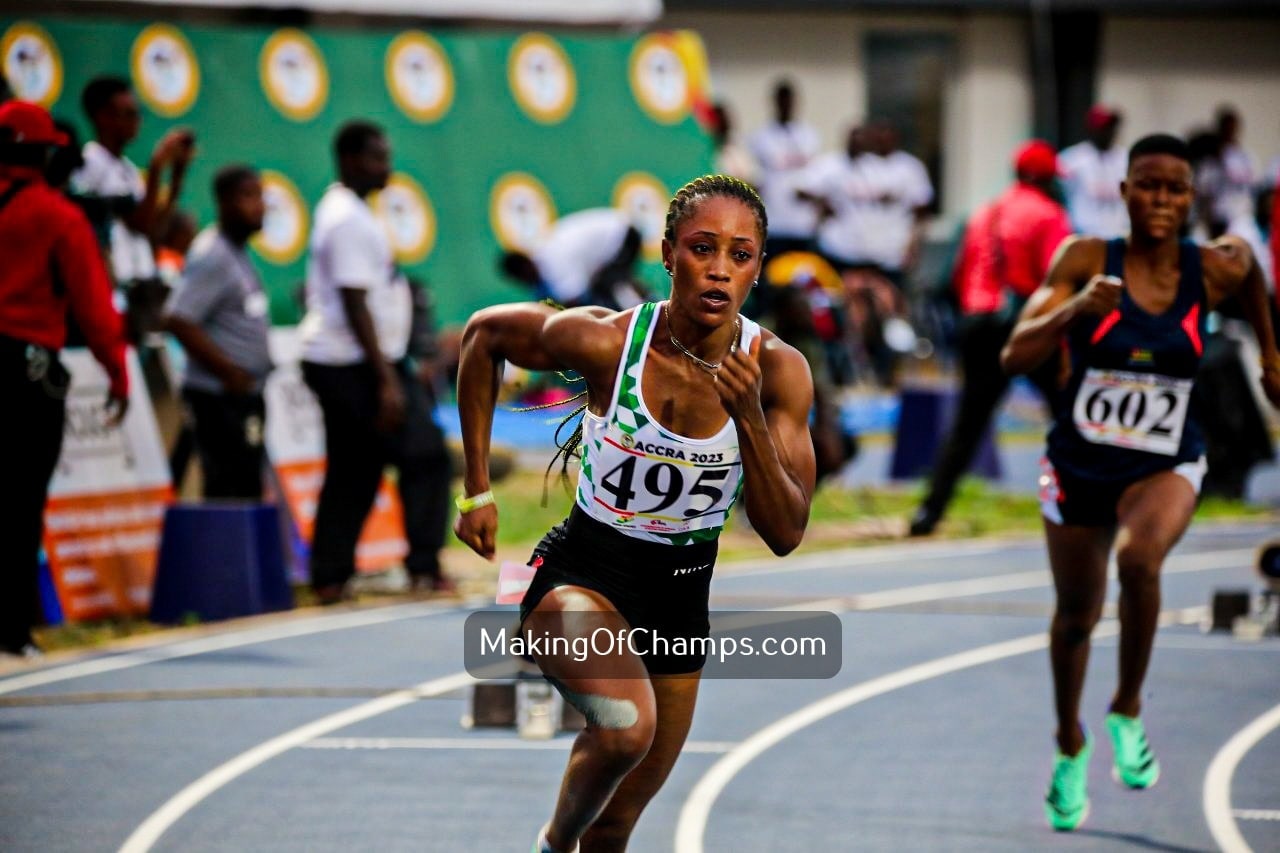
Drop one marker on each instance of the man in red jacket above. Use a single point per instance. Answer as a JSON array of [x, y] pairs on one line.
[[1003, 258], [49, 261]]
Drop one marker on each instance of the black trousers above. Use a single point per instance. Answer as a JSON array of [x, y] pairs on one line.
[[30, 442], [981, 337], [357, 453], [228, 437]]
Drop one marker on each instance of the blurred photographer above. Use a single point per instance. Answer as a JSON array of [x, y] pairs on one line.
[[131, 208]]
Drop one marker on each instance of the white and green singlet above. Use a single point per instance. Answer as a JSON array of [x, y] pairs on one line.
[[644, 480]]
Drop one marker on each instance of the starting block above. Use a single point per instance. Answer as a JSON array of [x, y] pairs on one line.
[[528, 704], [220, 561]]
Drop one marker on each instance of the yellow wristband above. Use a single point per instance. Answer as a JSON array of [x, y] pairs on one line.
[[474, 502], [1272, 365]]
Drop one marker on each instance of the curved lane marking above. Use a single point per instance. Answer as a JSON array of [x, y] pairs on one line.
[[1217, 781]]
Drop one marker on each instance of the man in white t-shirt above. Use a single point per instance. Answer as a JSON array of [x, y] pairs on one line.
[[587, 258], [355, 336], [839, 184], [903, 192], [131, 207], [1091, 174], [784, 149]]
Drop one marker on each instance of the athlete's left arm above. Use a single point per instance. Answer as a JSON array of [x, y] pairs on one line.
[[1230, 269], [768, 392]]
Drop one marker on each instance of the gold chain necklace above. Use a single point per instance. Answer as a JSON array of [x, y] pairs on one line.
[[709, 366]]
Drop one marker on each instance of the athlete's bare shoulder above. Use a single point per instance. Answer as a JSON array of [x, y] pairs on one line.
[[588, 340], [1227, 258], [1078, 259]]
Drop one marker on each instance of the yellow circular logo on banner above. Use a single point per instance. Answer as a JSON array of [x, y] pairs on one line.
[[165, 70], [644, 199], [32, 64], [407, 215], [284, 229], [521, 211], [659, 79], [419, 76], [293, 74], [541, 78]]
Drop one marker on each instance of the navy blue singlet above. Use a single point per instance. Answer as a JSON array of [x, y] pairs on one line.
[[1127, 412]]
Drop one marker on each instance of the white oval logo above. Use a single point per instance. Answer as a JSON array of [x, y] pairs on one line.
[[293, 74], [659, 79], [32, 64], [284, 230], [541, 78], [419, 76], [165, 70], [521, 212], [407, 215], [644, 200]]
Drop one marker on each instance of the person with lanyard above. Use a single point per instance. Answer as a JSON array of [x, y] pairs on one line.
[[49, 262], [1006, 250], [688, 381], [1124, 460], [219, 313]]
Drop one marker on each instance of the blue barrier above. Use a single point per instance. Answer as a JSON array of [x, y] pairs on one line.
[[219, 561], [923, 422], [50, 607]]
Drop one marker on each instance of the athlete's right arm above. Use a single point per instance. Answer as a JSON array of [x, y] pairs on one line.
[[1059, 303], [522, 334]]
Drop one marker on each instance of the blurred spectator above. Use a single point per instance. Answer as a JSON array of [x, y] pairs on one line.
[[903, 193], [872, 199], [1004, 256], [355, 337], [1091, 174], [839, 184], [218, 312], [783, 149], [1275, 240], [803, 319], [731, 158], [49, 259], [588, 258], [174, 238], [132, 207]]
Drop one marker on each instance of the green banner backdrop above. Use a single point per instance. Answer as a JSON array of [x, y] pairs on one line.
[[494, 134]]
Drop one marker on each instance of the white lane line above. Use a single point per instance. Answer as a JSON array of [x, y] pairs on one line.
[[221, 642], [692, 823], [871, 555], [150, 830], [556, 744], [1217, 781], [1256, 814], [1177, 564]]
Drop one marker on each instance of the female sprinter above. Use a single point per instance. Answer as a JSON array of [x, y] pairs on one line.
[[687, 402], [1124, 460]]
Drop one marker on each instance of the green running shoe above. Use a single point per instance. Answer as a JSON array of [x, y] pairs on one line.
[[1067, 803], [1136, 765]]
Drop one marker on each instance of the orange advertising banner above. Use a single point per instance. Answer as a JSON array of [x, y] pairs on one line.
[[382, 543], [102, 551], [107, 498]]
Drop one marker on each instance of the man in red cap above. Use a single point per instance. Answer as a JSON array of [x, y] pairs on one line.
[[1003, 258], [49, 261], [1091, 174]]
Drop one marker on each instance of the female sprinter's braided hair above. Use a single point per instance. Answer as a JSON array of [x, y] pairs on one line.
[[691, 194], [685, 201]]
